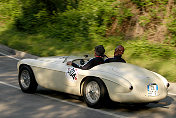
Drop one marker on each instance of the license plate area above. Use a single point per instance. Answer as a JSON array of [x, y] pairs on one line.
[[152, 90]]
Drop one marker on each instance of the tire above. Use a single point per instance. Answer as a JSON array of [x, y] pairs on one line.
[[94, 92], [27, 80]]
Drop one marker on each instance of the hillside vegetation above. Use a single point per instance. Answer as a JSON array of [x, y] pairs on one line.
[[146, 28]]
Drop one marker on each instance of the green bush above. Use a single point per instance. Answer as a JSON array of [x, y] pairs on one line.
[[67, 19], [67, 26], [10, 8]]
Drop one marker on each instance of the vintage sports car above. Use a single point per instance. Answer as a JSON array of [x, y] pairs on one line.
[[119, 82]]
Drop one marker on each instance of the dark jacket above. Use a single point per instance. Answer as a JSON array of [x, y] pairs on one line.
[[92, 62], [115, 59]]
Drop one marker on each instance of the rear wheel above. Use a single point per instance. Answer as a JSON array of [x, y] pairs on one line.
[[94, 92], [27, 80]]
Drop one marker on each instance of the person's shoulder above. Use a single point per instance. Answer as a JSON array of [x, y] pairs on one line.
[[108, 60], [92, 60]]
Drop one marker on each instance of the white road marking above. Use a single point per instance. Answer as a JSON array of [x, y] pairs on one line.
[[9, 56], [9, 85], [70, 103]]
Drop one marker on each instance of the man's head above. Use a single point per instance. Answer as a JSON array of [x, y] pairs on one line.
[[99, 50], [119, 50]]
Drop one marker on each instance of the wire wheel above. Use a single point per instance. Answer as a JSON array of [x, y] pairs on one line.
[[93, 92], [25, 79]]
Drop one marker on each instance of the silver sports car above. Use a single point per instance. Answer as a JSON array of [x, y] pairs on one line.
[[119, 82]]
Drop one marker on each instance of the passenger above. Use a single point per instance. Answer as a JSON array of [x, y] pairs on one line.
[[99, 55], [119, 50]]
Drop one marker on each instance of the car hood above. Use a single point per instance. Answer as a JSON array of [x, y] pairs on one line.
[[60, 58], [53, 58]]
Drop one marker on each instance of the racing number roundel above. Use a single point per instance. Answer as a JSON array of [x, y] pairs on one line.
[[72, 74]]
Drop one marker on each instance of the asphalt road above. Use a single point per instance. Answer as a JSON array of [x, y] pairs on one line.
[[51, 104]]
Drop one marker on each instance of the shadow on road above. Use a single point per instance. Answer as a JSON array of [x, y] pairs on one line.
[[111, 105]]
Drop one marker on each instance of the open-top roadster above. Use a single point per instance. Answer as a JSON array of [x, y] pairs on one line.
[[121, 82]]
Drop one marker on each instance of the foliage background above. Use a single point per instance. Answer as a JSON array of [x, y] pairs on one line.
[[146, 28]]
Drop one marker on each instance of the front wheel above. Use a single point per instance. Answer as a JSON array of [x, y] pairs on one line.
[[27, 80], [94, 92]]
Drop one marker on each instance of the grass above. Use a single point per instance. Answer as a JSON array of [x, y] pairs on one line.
[[157, 57]]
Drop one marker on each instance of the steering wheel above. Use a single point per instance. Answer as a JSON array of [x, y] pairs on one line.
[[82, 62]]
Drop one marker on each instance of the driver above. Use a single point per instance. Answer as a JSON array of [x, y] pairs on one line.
[[98, 59]]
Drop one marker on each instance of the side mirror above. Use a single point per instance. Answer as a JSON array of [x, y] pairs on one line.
[[65, 59]]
